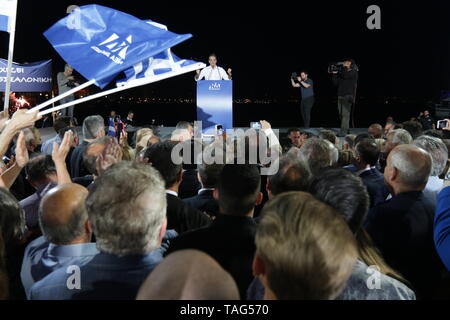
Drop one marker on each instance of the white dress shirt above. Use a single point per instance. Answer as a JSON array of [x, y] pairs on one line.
[[172, 193], [214, 74]]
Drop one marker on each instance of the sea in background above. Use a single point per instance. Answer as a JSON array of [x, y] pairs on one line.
[[281, 114]]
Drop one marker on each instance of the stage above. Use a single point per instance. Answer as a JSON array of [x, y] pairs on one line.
[[165, 132]]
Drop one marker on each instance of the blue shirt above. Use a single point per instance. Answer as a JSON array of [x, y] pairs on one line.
[[105, 277], [30, 205], [356, 287], [307, 92], [47, 146], [41, 258], [442, 226]]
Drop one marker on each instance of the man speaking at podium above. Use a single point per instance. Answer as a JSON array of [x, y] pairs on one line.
[[213, 71]]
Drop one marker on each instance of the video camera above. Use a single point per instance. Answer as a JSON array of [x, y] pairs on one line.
[[336, 67], [71, 84], [339, 66]]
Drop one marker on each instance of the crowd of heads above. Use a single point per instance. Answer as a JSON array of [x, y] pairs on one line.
[[310, 215]]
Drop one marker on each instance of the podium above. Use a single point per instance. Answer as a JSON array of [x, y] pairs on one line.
[[215, 104]]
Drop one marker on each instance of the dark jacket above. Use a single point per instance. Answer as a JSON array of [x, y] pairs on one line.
[[190, 184], [346, 82], [402, 229], [230, 240], [77, 168], [204, 202], [182, 217], [374, 182]]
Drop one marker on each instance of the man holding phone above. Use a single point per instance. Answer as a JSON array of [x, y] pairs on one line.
[[306, 86]]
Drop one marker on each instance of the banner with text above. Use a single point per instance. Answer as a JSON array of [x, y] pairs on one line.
[[30, 77]]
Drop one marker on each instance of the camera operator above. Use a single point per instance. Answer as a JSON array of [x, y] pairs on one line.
[[306, 86], [346, 79], [66, 81]]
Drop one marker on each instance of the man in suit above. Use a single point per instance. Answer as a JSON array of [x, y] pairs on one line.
[[402, 227], [230, 239], [292, 175], [366, 157], [127, 209], [208, 175], [93, 128], [394, 138], [180, 216], [67, 235]]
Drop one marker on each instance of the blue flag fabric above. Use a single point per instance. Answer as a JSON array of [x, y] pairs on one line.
[[163, 62], [100, 42], [111, 128]]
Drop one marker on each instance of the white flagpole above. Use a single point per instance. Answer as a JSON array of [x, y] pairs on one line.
[[62, 95], [131, 84], [12, 33]]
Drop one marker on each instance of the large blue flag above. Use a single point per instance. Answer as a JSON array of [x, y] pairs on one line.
[[104, 42], [165, 62]]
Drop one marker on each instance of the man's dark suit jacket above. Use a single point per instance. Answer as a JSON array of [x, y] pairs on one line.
[[204, 202], [230, 240], [182, 217], [77, 168], [190, 185], [402, 229], [374, 182]]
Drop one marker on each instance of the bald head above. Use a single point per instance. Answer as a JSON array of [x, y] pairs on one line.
[[410, 167], [189, 275], [63, 215]]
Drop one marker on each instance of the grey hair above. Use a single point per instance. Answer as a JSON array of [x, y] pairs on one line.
[[408, 168], [65, 233], [437, 150], [334, 152], [67, 67], [122, 223], [317, 153], [401, 136], [92, 125]]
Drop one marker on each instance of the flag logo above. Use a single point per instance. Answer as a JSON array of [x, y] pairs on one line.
[[114, 48], [214, 87]]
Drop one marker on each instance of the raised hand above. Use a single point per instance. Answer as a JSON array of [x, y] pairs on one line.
[[265, 124], [112, 154], [22, 157], [60, 152], [22, 119], [4, 116]]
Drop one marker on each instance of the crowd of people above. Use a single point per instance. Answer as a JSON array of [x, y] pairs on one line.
[[89, 216]]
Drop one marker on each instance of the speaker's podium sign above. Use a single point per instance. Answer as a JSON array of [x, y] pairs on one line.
[[215, 104]]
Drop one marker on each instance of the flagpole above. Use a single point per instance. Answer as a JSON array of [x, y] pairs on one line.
[[62, 95], [12, 33], [134, 83]]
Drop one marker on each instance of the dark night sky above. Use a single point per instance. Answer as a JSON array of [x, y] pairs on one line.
[[265, 43]]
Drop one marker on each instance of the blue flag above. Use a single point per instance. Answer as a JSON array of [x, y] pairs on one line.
[[101, 42], [164, 62], [111, 127]]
